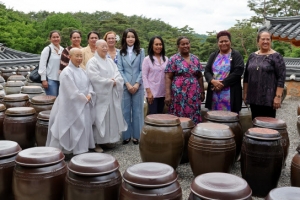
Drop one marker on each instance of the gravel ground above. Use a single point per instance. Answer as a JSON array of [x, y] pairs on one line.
[[128, 155]]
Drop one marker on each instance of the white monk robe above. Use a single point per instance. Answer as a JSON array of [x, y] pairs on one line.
[[71, 118], [109, 121]]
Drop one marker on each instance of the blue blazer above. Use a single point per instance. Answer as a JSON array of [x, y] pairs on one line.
[[131, 71]]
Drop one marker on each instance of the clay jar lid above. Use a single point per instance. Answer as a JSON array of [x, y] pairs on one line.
[[269, 122], [2, 107], [150, 175], [263, 134], [186, 123], [91, 164], [221, 116], [16, 78], [9, 148], [16, 97], [162, 120], [31, 90], [213, 131], [43, 99], [286, 193], [44, 115], [20, 111], [21, 69], [7, 70], [39, 156], [14, 84], [220, 186]]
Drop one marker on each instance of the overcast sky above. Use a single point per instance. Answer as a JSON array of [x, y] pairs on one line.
[[201, 15]]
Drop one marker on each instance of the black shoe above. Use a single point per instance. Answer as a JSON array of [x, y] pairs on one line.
[[126, 141], [135, 141]]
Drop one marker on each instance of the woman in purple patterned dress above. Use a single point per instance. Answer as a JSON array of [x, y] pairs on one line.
[[223, 73], [184, 83]]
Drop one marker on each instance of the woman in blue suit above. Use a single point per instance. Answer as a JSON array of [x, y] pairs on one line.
[[130, 59]]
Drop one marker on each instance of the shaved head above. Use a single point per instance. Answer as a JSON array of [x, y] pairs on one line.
[[74, 50], [75, 55]]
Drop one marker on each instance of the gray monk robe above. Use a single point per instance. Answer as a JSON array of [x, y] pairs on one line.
[[109, 121], [70, 123]]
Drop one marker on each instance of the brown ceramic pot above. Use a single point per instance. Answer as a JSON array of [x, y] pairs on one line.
[[276, 124], [230, 119], [23, 71], [93, 176], [7, 73], [150, 181], [298, 124], [211, 148], [161, 139], [2, 98], [41, 128], [298, 109], [295, 169], [8, 152], [16, 78], [187, 125], [284, 193], [13, 87], [245, 117], [2, 115], [19, 126], [145, 107], [203, 113], [16, 100], [39, 174], [261, 160], [2, 91], [32, 91], [219, 186], [42, 102]]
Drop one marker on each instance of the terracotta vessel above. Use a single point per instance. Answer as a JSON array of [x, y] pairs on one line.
[[298, 110], [41, 128], [2, 115], [187, 125], [161, 139], [23, 71], [276, 124], [295, 169], [8, 152], [219, 186], [13, 87], [284, 193], [150, 181], [32, 91], [211, 148], [16, 78], [245, 117], [6, 73], [261, 160], [203, 113], [42, 102], [93, 176], [145, 107], [298, 125], [230, 119], [19, 126], [39, 174], [16, 100]]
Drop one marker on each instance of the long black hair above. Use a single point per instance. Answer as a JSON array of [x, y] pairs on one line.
[[150, 48], [136, 47]]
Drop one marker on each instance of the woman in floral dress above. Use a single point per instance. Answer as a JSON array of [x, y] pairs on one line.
[[184, 83]]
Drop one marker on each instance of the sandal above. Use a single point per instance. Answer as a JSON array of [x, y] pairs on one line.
[[126, 141], [135, 141]]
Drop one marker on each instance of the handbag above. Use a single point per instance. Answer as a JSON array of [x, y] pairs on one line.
[[34, 76]]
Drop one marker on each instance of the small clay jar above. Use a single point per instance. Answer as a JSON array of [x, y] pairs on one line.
[[245, 117], [219, 186], [211, 148], [161, 139], [16, 100], [151, 181], [284, 193], [32, 91], [203, 113], [13, 87], [23, 71], [19, 126], [276, 124], [41, 128], [39, 174], [187, 125], [93, 176], [16, 78], [2, 115], [295, 169], [8, 152], [7, 73], [230, 119], [261, 159], [42, 102]]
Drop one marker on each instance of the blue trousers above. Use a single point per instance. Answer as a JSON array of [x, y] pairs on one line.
[[133, 112], [53, 87]]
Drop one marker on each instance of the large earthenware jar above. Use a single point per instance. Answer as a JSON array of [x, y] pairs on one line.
[[8, 152], [7, 73], [298, 109], [145, 107], [230, 119], [16, 100], [13, 87], [32, 91], [39, 174], [219, 186], [41, 128], [245, 117], [276, 124], [187, 125], [261, 160], [150, 181], [298, 124], [211, 148], [161, 139], [19, 126], [16, 78], [2, 98], [2, 115], [93, 176], [2, 91], [23, 71], [295, 169], [42, 102], [203, 113], [284, 193]]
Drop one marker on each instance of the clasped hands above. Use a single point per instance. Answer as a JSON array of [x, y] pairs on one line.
[[217, 85], [132, 89]]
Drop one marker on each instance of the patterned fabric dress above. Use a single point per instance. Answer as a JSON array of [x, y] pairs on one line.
[[185, 89], [221, 69]]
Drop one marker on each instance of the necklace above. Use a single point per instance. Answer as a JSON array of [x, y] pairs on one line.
[[258, 65]]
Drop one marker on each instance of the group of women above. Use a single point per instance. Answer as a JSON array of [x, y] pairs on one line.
[[178, 81]]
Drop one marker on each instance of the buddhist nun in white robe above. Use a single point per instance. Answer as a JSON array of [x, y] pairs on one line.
[[108, 86], [71, 118]]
